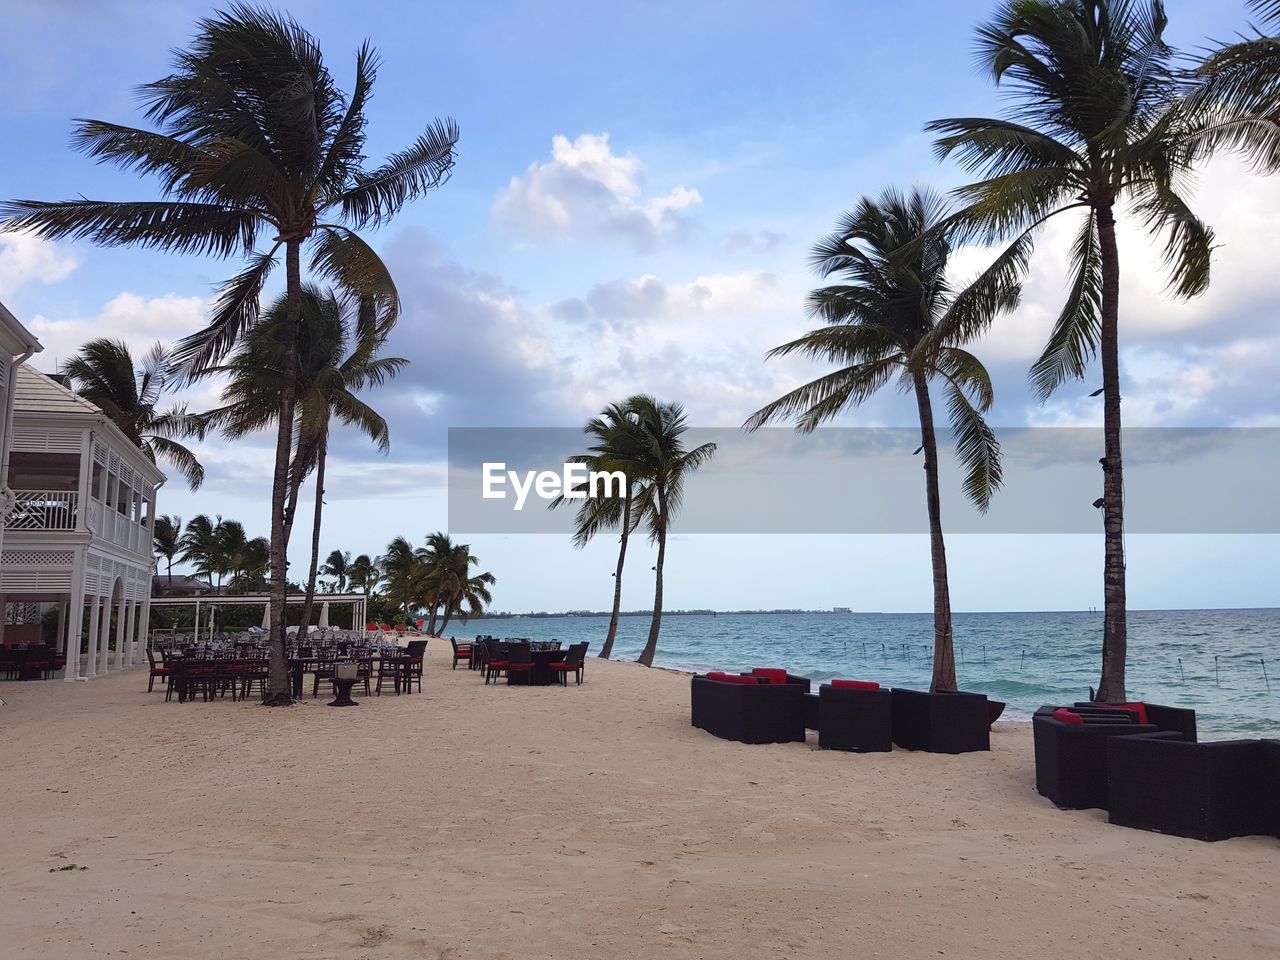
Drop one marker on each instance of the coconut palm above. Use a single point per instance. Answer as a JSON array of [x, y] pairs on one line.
[[896, 314], [334, 354], [651, 452], [364, 574], [232, 543], [445, 582], [255, 140], [255, 561], [166, 540], [1095, 125], [202, 547], [1244, 76], [596, 514], [105, 374], [338, 566], [403, 567]]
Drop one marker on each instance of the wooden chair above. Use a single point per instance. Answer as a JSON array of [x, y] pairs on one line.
[[461, 651], [157, 669]]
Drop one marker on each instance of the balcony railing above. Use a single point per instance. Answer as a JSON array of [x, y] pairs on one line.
[[42, 510]]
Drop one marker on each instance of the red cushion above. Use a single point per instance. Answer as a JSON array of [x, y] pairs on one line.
[[731, 677], [497, 663], [1067, 716], [856, 684], [1139, 708], [770, 674]]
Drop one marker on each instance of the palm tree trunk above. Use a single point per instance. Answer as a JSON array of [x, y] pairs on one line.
[[307, 603], [445, 622], [1111, 687], [651, 645], [944, 655], [607, 650], [434, 611], [279, 689]]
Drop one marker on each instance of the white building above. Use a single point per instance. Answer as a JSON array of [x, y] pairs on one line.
[[78, 511]]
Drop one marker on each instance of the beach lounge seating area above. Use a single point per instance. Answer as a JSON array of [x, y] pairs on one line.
[[773, 706]]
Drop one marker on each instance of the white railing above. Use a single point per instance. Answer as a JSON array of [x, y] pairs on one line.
[[42, 510]]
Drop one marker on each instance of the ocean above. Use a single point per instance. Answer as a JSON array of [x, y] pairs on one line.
[[1209, 660]]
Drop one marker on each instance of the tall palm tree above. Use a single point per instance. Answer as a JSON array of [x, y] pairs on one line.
[[232, 543], [402, 567], [1096, 124], [447, 586], [166, 540], [202, 547], [364, 574], [334, 355], [255, 561], [651, 452], [895, 312], [596, 514], [105, 374], [255, 140], [338, 566]]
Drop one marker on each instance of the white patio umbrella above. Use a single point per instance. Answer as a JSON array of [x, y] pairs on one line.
[[324, 616], [266, 616]]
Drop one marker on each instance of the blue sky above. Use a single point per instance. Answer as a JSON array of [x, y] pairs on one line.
[[636, 192]]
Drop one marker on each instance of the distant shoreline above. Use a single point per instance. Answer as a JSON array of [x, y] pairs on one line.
[[584, 614]]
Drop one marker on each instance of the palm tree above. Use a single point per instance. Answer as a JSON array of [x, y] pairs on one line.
[[445, 582], [104, 373], [607, 431], [335, 354], [232, 543], [895, 312], [1244, 76], [1096, 123], [166, 540], [255, 561], [403, 566], [364, 574], [650, 451], [338, 566], [255, 139], [202, 547]]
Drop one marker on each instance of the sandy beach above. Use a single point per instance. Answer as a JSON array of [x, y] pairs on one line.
[[593, 821]]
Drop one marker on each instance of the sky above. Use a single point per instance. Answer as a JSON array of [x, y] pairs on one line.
[[636, 192]]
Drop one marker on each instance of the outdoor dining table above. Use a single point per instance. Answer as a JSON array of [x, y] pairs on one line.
[[541, 675]]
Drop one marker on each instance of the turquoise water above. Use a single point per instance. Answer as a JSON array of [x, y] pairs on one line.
[[1025, 659]]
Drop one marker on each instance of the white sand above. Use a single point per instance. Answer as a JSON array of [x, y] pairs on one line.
[[593, 821]]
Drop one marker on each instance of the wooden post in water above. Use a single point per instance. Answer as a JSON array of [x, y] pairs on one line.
[[1023, 665], [1181, 673], [1216, 679], [1264, 674]]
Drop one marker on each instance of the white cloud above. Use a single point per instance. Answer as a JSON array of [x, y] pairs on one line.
[[587, 192], [25, 258], [138, 321]]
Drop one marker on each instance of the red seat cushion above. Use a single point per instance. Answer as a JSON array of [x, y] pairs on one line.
[[497, 663], [770, 674], [731, 678], [1068, 716], [855, 684], [1139, 708]]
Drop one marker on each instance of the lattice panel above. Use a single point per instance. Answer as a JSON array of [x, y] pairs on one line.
[[36, 558], [24, 612]]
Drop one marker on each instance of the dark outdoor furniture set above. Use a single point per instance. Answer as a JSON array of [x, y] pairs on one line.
[[30, 663], [848, 714], [528, 663], [1071, 746]]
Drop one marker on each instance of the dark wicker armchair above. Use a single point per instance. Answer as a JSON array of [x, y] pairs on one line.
[[1206, 791], [941, 722], [748, 712], [851, 719]]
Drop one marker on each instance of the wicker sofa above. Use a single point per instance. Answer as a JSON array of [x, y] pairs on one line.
[[1072, 757], [1206, 791], [751, 712], [941, 722]]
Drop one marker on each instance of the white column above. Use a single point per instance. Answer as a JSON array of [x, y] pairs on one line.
[[104, 640], [122, 618], [73, 620], [130, 629], [91, 663], [144, 620]]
